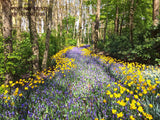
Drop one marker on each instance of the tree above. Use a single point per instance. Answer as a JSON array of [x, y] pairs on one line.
[[96, 27], [155, 12], [79, 41], [116, 26], [7, 34], [131, 21], [33, 35], [49, 22]]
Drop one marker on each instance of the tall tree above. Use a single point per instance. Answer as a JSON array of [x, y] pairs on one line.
[[49, 22], [19, 19], [155, 12], [7, 34], [33, 34], [96, 27], [67, 15], [105, 28], [116, 24], [131, 21], [80, 24]]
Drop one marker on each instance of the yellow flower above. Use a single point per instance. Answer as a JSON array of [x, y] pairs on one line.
[[108, 85], [10, 82], [20, 95], [115, 89], [138, 104], [132, 106], [131, 117], [127, 99], [150, 105], [149, 116], [5, 92], [111, 95], [102, 119], [96, 119], [9, 98], [153, 91], [4, 97], [140, 94], [156, 78], [140, 109], [119, 115], [131, 92], [15, 93], [26, 88], [7, 86], [114, 111], [108, 92], [12, 103], [136, 96], [3, 86], [6, 101], [104, 101], [144, 91]]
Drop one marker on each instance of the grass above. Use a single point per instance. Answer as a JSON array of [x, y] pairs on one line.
[[85, 86]]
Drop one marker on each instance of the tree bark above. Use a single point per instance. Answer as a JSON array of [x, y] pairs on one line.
[[74, 13], [116, 26], [121, 24], [88, 25], [96, 27], [155, 12], [19, 20], [105, 28], [33, 34], [131, 22], [80, 24], [7, 34], [67, 16], [49, 22]]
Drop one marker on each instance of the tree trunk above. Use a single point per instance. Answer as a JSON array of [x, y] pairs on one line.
[[105, 28], [121, 24], [19, 20], [49, 21], [67, 16], [155, 12], [116, 21], [7, 34], [61, 18], [96, 27], [33, 34], [74, 13], [88, 25], [80, 24], [131, 22]]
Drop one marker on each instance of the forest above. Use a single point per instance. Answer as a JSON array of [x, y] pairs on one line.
[[79, 60]]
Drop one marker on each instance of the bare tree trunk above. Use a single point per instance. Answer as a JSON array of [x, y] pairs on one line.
[[88, 24], [121, 24], [7, 34], [19, 20], [80, 24], [131, 21], [49, 22], [33, 34], [155, 12], [74, 13], [67, 16], [116, 21], [105, 28], [96, 25], [56, 16]]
